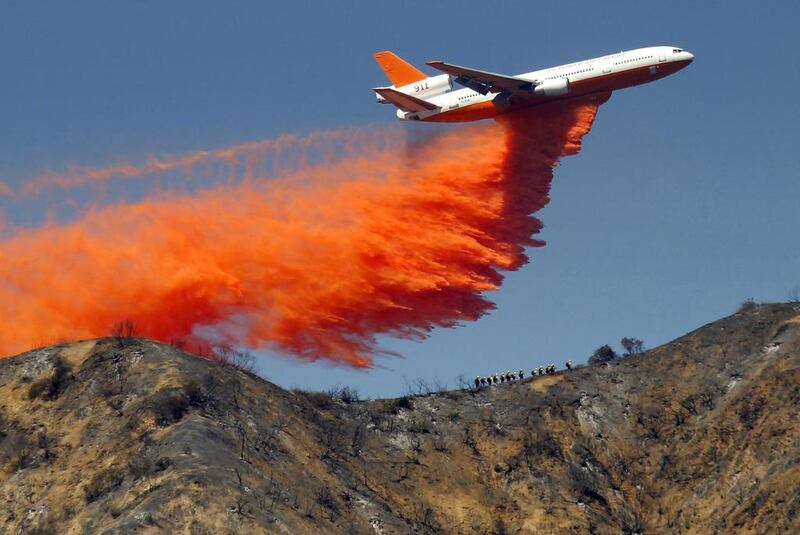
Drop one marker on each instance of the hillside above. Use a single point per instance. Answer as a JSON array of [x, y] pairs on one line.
[[699, 435]]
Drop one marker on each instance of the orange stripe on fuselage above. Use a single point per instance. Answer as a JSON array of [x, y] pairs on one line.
[[626, 78], [472, 112], [598, 84]]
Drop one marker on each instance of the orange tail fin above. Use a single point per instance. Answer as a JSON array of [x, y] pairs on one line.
[[397, 70]]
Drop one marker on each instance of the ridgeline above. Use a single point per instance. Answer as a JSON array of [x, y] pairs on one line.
[[699, 435]]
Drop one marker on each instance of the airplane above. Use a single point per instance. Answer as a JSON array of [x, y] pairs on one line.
[[420, 97]]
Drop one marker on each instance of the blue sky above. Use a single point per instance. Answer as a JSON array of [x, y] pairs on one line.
[[683, 203]]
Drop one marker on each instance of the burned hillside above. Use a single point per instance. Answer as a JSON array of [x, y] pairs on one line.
[[698, 435]]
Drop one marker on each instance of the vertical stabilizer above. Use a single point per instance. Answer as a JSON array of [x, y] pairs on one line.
[[398, 71]]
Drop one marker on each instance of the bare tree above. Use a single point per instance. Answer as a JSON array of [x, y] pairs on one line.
[[747, 305], [439, 386], [123, 331], [794, 295], [345, 394], [245, 361], [239, 359], [242, 432], [416, 387], [416, 443], [470, 442], [632, 346], [359, 439], [440, 444], [462, 383], [425, 520], [423, 387]]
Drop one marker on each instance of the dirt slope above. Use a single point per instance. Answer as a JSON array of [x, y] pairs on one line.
[[700, 435]]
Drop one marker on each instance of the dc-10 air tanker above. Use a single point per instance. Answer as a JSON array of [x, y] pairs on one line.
[[420, 97]]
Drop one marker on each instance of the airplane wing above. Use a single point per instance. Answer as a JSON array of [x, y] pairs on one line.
[[403, 101], [482, 81]]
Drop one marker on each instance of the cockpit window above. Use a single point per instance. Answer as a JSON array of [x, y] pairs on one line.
[[676, 50]]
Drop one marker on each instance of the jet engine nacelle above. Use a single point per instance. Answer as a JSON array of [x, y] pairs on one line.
[[551, 88], [502, 102], [407, 115], [426, 88]]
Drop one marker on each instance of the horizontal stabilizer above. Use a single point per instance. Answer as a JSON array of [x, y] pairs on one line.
[[403, 101]]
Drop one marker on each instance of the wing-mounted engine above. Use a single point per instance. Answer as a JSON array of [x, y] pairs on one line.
[[502, 101], [548, 88], [425, 88], [552, 88]]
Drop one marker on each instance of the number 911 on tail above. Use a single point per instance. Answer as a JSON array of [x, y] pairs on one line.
[[483, 94]]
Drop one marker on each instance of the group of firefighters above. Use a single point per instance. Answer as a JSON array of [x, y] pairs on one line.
[[509, 376]]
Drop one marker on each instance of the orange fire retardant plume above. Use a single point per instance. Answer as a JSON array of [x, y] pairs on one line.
[[388, 240]]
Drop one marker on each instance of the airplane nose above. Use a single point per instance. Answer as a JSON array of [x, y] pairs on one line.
[[689, 56]]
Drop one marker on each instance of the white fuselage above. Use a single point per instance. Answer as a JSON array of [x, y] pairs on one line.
[[606, 73]]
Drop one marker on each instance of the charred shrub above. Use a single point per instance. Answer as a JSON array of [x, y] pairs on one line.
[[602, 355], [747, 305], [326, 499], [470, 442], [632, 346], [652, 419], [319, 400], [51, 387], [418, 426], [332, 439], [37, 388], [123, 332], [45, 526], [16, 448], [22, 447], [345, 394], [500, 527], [794, 295], [109, 390], [103, 482], [111, 393], [393, 406], [404, 402], [141, 466], [169, 405], [584, 478], [542, 443], [163, 463], [425, 520], [359, 439], [194, 393], [750, 411], [241, 360]]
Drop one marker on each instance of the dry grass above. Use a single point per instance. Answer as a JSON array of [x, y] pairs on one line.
[[190, 446]]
